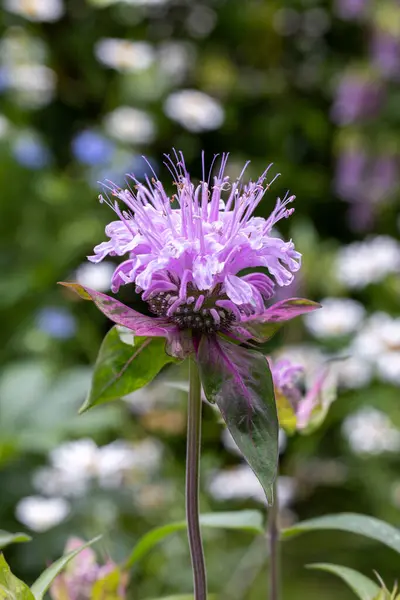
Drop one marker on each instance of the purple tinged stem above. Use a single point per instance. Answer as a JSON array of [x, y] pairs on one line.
[[193, 449]]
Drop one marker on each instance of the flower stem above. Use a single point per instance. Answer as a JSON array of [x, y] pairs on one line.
[[192, 483], [273, 548]]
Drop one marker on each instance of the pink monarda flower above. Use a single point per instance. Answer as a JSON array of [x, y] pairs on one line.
[[187, 254], [308, 405], [83, 573]]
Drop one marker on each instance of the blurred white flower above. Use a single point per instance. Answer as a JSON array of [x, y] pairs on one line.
[[389, 367], [33, 84], [175, 59], [36, 10], [362, 263], [95, 276], [378, 343], [124, 55], [75, 466], [201, 21], [338, 316], [370, 431], [41, 514], [130, 125], [352, 372], [240, 483], [194, 110]]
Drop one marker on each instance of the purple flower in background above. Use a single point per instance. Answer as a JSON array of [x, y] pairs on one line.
[[385, 52], [82, 574], [91, 148], [305, 408], [358, 96], [56, 322], [31, 152], [383, 178], [350, 174], [349, 10], [187, 253]]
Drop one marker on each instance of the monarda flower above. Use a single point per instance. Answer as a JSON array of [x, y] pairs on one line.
[[208, 268], [302, 398]]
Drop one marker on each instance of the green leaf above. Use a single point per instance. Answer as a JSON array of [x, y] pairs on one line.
[[353, 523], [246, 520], [12, 588], [121, 368], [12, 538], [365, 588], [110, 587], [44, 581], [239, 381]]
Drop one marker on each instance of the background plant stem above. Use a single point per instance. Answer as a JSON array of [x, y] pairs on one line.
[[273, 547], [192, 483]]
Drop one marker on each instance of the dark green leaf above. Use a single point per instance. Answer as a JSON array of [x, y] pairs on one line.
[[44, 581], [353, 523], [365, 588], [12, 538], [239, 381], [12, 588], [121, 368], [246, 520]]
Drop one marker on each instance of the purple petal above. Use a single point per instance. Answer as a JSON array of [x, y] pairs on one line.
[[263, 327], [123, 315], [240, 383], [238, 290]]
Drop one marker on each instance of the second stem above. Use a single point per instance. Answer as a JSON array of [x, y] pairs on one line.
[[192, 483], [273, 547]]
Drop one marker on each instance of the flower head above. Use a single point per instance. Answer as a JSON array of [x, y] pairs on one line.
[[189, 255], [302, 404]]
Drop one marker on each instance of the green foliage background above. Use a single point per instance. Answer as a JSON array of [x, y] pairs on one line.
[[277, 91]]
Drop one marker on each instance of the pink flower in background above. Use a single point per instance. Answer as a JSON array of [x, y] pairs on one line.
[[351, 9], [82, 574], [307, 407], [385, 53], [358, 96], [187, 255]]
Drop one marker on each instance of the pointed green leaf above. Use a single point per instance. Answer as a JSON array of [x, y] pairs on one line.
[[353, 523], [246, 520], [44, 581], [121, 368], [12, 588], [362, 586], [12, 538], [239, 381]]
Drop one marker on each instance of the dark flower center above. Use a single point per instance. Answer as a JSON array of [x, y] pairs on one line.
[[208, 319]]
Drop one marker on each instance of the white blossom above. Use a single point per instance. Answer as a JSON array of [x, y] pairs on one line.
[[370, 431], [130, 125], [362, 263], [41, 514], [95, 276], [194, 110], [337, 317], [36, 10], [124, 55]]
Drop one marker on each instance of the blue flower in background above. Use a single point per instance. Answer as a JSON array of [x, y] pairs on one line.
[[4, 79], [58, 323], [31, 152], [91, 148]]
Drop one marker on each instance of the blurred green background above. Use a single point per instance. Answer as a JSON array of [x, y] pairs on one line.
[[86, 88]]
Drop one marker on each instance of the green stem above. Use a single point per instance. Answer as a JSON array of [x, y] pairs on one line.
[[273, 548], [192, 483]]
